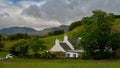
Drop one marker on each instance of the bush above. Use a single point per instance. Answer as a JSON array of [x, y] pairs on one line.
[[1, 45], [20, 48], [18, 36], [57, 32], [58, 55], [74, 25]]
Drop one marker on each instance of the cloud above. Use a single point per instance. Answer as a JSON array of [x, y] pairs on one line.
[[66, 11], [33, 10], [10, 15], [80, 8], [48, 13]]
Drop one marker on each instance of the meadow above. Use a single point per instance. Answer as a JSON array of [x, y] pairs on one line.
[[58, 63]]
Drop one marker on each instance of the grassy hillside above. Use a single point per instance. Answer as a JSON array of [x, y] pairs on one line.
[[49, 41], [8, 44], [117, 22]]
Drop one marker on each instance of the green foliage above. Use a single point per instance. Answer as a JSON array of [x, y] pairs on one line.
[[74, 25], [117, 16], [57, 32], [36, 45], [114, 40], [1, 42], [0, 36], [3, 37], [58, 55], [18, 36], [24, 47], [20, 48], [96, 34]]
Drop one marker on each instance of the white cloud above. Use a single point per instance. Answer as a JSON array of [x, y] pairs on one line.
[[26, 4], [10, 15], [51, 13]]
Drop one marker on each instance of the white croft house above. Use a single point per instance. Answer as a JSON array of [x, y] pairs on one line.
[[67, 46]]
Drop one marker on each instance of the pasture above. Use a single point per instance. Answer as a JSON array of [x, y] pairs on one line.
[[58, 63]]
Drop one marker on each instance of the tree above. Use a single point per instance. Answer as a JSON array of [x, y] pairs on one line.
[[114, 41], [57, 32], [117, 16], [18, 36], [3, 37], [74, 25], [25, 47], [20, 48], [1, 45], [1, 42], [36, 45], [96, 34]]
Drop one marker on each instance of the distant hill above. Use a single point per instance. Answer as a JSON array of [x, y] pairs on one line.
[[45, 31], [31, 31], [64, 27], [13, 30]]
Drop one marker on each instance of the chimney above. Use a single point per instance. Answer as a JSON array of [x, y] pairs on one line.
[[57, 41], [65, 37]]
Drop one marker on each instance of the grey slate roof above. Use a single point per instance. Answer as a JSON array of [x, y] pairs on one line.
[[65, 46], [73, 42]]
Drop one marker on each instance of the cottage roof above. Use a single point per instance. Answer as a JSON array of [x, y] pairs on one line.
[[65, 46], [73, 42]]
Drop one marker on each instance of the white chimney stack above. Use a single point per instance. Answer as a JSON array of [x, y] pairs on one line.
[[57, 41], [65, 37], [67, 42]]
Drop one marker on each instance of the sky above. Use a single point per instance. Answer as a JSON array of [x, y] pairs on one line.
[[40, 14]]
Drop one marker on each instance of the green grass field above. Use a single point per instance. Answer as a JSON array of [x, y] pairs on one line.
[[59, 63]]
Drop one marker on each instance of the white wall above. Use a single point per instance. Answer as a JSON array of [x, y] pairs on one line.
[[71, 55], [57, 47]]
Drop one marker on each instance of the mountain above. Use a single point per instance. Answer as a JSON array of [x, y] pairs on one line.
[[46, 30], [31, 31], [63, 27], [13, 30]]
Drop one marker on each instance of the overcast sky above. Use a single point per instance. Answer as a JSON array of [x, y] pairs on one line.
[[40, 14]]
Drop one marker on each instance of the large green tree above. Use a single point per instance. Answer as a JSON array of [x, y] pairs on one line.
[[96, 35], [20, 48], [36, 45]]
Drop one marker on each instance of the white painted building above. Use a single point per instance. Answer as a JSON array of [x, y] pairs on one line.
[[67, 47]]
